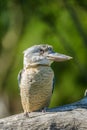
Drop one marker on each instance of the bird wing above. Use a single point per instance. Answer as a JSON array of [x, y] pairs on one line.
[[53, 84], [19, 76]]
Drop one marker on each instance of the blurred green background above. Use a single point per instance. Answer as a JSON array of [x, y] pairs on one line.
[[60, 23]]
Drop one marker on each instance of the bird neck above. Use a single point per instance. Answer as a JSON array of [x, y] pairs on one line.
[[37, 65]]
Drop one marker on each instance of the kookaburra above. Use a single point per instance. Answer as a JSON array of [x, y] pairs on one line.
[[36, 77]]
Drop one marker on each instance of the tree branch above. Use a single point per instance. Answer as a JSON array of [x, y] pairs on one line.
[[68, 117]]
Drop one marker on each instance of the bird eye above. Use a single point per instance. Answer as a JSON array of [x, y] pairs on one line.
[[41, 51]]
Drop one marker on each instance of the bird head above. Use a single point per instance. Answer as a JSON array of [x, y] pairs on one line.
[[42, 55]]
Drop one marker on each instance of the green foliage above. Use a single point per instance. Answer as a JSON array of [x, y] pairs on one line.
[[63, 24]]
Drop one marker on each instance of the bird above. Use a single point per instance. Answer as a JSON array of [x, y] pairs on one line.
[[36, 79]]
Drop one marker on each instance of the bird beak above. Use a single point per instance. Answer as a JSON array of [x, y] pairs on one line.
[[58, 57]]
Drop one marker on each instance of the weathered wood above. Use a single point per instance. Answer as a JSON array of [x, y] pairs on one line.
[[69, 117]]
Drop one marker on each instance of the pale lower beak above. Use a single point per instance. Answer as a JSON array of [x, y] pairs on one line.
[[58, 57]]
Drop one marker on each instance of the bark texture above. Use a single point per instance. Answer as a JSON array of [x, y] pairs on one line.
[[68, 117]]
